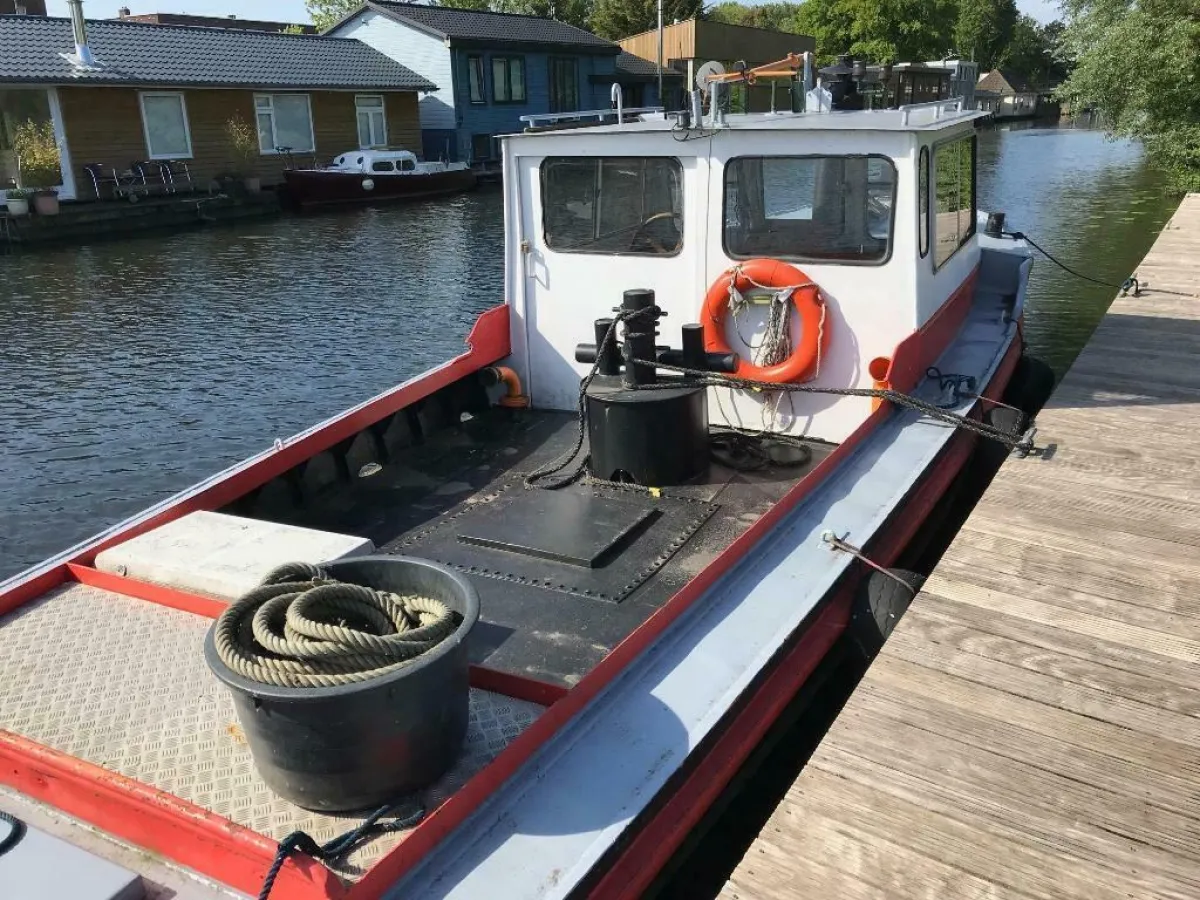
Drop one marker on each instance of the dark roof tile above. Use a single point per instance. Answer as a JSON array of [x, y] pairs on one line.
[[36, 50], [493, 27]]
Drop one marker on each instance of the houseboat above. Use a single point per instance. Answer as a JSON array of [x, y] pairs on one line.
[[739, 364], [371, 176]]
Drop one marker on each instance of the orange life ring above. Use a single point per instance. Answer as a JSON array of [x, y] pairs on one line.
[[768, 273]]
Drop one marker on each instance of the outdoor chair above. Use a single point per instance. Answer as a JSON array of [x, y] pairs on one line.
[[108, 183], [176, 176], [149, 176]]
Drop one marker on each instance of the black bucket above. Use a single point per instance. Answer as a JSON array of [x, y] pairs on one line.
[[358, 746]]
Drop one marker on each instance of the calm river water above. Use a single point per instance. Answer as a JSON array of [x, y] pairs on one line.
[[130, 370]]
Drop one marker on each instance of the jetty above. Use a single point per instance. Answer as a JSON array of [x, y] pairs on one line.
[[1032, 727]]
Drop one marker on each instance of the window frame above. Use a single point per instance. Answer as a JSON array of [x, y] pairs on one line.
[[599, 160], [187, 128], [508, 61], [370, 112], [814, 260], [924, 198], [472, 59], [274, 131], [974, 227]]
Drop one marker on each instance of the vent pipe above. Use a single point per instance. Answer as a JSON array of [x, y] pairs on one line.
[[82, 51]]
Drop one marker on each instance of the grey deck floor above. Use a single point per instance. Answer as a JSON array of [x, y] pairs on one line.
[[1032, 729]]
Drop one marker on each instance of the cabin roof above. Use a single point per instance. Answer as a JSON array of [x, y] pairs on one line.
[[39, 50]]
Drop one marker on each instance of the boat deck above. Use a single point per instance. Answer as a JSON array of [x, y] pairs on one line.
[[1032, 728], [544, 615]]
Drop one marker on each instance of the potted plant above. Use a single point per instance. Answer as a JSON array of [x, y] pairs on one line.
[[38, 169], [243, 141], [18, 202]]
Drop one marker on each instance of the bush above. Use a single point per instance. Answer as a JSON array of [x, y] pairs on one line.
[[243, 141], [37, 155]]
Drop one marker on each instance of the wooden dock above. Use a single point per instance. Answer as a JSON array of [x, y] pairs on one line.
[[1032, 728]]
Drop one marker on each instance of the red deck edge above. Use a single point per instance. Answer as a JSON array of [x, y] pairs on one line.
[[455, 810], [208, 607], [158, 821], [634, 870], [921, 349]]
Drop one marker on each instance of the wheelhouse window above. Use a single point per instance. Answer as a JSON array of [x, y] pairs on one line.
[[823, 208], [383, 165], [284, 120], [616, 204], [164, 118], [954, 184], [564, 85], [508, 79], [475, 78], [923, 202], [372, 120]]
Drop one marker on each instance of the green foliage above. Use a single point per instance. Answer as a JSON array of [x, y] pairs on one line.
[[772, 16], [1035, 52], [573, 12], [243, 139], [37, 154], [325, 13], [879, 30], [984, 29], [294, 29], [1137, 63], [616, 19]]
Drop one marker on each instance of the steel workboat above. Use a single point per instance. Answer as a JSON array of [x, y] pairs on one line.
[[739, 363]]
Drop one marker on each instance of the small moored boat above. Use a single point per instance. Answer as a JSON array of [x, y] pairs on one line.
[[369, 176], [741, 365]]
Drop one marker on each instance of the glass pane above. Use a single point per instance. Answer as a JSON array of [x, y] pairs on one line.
[[835, 208], [364, 129], [953, 165], [21, 109], [500, 79], [613, 205], [368, 101], [475, 76], [166, 130], [517, 78], [379, 128], [262, 102], [383, 165], [266, 135], [293, 126]]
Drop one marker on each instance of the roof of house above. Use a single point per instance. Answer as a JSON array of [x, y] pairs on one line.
[[470, 26], [41, 50], [629, 64], [1004, 81]]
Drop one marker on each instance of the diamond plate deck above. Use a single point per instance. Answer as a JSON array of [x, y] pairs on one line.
[[122, 683]]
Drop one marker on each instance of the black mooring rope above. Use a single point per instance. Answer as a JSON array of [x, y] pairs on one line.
[[15, 834], [1130, 283], [370, 827]]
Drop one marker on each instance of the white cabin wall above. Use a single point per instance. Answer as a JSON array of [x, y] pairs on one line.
[[425, 54], [870, 308]]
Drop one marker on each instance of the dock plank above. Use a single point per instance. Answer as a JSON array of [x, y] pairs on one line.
[[1032, 728]]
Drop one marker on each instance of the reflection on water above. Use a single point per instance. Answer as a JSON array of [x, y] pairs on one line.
[[132, 369]]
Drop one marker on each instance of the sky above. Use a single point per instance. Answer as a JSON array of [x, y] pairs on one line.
[[293, 10]]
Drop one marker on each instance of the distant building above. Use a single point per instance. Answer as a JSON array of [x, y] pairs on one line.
[[153, 92], [23, 7], [1007, 95], [208, 21], [492, 68], [689, 44]]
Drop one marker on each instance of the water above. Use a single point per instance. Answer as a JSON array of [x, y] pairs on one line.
[[131, 369]]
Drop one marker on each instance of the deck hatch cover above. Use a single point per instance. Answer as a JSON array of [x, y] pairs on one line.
[[640, 535], [577, 529]]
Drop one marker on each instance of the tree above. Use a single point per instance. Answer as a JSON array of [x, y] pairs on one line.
[[573, 12], [772, 16], [879, 30], [984, 29], [1035, 52], [1135, 61], [616, 19], [325, 13]]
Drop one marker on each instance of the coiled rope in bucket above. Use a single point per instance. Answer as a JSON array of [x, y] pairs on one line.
[[301, 628]]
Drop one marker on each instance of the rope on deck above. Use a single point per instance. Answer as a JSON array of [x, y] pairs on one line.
[[301, 628]]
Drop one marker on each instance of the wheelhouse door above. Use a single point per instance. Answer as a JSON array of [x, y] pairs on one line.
[[592, 228]]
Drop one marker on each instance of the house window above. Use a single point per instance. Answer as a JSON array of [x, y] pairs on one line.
[[508, 79], [165, 121], [613, 204], [564, 85], [372, 120], [954, 184], [923, 202], [826, 208], [284, 121], [475, 78]]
